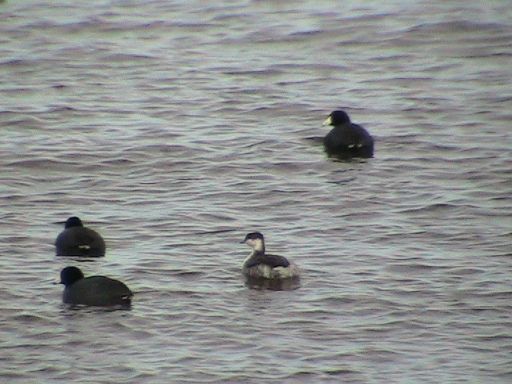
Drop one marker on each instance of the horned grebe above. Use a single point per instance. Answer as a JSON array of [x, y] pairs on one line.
[[347, 139], [77, 240], [93, 290], [262, 265]]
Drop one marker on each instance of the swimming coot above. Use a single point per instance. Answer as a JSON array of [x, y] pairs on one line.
[[93, 290], [347, 139], [77, 240]]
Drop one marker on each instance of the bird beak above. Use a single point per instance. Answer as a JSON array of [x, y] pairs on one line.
[[242, 242], [328, 121]]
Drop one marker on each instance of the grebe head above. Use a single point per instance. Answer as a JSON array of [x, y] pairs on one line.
[[255, 241], [73, 222], [337, 118]]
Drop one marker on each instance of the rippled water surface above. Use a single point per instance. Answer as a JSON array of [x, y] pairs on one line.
[[175, 127]]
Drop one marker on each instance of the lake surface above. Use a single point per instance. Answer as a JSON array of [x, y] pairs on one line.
[[173, 128]]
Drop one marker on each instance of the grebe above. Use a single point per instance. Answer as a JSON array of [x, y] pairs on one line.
[[262, 265]]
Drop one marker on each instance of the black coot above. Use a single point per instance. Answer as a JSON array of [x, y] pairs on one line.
[[347, 139], [77, 240], [93, 290]]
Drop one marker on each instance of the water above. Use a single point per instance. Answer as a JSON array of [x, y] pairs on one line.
[[174, 128]]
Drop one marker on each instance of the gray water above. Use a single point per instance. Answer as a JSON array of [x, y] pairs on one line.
[[175, 127]]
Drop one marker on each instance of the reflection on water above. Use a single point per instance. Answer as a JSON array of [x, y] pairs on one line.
[[273, 284], [99, 309]]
